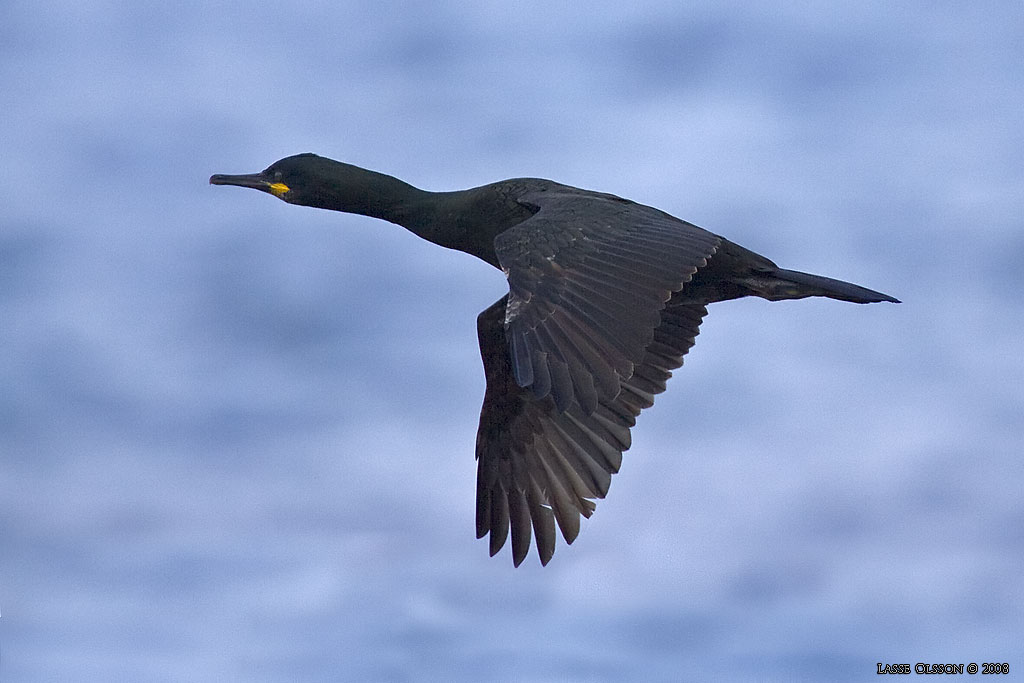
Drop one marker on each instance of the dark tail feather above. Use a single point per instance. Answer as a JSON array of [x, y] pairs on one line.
[[792, 284]]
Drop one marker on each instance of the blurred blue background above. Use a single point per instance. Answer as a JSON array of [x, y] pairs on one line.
[[237, 436]]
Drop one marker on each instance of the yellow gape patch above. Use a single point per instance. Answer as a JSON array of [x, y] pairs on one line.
[[278, 189]]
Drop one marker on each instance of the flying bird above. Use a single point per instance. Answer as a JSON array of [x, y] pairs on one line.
[[605, 298]]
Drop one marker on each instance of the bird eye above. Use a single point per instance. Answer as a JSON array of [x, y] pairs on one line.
[[277, 175]]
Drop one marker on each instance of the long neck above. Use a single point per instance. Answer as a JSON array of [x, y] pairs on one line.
[[357, 190], [448, 219], [382, 196]]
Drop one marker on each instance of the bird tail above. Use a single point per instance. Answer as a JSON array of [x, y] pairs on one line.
[[792, 284]]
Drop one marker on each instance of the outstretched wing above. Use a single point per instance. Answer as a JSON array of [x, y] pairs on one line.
[[588, 274], [538, 464]]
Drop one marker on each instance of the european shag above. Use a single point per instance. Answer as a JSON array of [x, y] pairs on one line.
[[605, 298]]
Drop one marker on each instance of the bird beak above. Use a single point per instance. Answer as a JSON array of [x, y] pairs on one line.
[[254, 180]]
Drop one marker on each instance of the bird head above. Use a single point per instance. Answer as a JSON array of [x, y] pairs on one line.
[[311, 180], [294, 179]]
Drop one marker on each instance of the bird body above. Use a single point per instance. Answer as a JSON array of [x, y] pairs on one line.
[[605, 298]]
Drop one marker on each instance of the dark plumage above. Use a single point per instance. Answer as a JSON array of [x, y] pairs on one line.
[[606, 297]]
